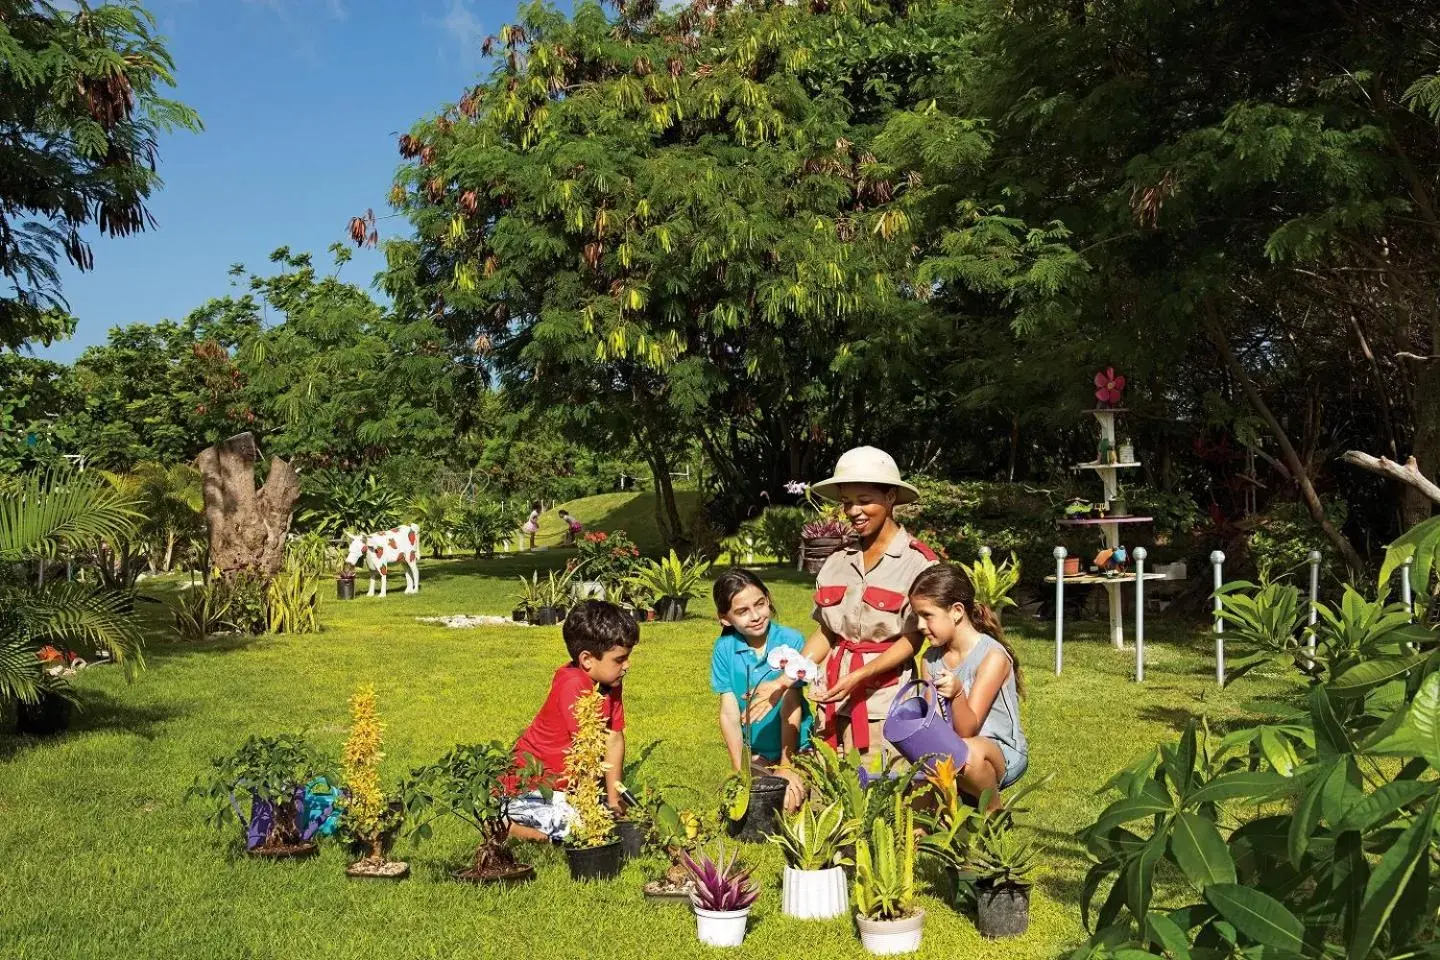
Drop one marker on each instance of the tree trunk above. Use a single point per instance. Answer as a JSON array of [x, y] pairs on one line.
[[169, 551], [1287, 449], [247, 528], [1425, 448]]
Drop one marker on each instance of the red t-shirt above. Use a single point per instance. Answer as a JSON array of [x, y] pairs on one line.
[[550, 733]]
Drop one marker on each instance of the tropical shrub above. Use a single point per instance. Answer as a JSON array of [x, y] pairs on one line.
[[670, 577], [1311, 837], [609, 558], [778, 531], [202, 611], [338, 504], [993, 584], [483, 523], [440, 516]]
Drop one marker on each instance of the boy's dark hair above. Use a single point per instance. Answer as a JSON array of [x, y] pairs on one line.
[[595, 626]]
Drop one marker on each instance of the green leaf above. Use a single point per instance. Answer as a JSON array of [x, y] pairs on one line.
[[1384, 803], [1388, 881], [1200, 851], [1139, 876], [1307, 814], [1418, 734], [1126, 811], [1166, 933], [1364, 677], [1251, 784], [1330, 737], [1258, 916]]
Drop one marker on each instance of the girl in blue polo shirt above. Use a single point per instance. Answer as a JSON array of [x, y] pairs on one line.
[[742, 660]]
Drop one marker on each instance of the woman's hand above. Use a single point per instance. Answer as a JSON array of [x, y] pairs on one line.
[[841, 689], [948, 686]]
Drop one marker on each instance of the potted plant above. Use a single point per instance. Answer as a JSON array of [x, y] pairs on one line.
[[54, 704], [527, 600], [607, 560], [476, 784], [269, 774], [671, 582], [845, 780], [819, 539], [677, 832], [889, 921], [993, 583], [345, 585], [723, 896], [1118, 505], [370, 817], [814, 885], [592, 847], [1127, 451], [752, 797]]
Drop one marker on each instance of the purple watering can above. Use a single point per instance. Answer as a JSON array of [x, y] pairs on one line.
[[262, 818], [920, 728]]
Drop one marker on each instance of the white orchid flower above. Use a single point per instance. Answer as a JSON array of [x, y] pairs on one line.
[[802, 670], [782, 655]]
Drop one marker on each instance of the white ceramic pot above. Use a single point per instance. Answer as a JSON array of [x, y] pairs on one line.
[[815, 894], [886, 938], [721, 928], [588, 590]]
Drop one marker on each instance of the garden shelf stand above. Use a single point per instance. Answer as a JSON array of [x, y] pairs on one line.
[[1110, 533]]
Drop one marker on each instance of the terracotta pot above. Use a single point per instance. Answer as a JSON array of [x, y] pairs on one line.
[[1072, 566]]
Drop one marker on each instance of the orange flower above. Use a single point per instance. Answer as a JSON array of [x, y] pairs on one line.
[[944, 775]]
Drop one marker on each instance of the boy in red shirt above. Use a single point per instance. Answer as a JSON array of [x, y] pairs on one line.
[[599, 637]]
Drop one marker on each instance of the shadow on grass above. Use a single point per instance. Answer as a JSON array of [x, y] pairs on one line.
[[96, 711]]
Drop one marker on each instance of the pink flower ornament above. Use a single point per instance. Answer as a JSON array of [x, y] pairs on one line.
[[1109, 387]]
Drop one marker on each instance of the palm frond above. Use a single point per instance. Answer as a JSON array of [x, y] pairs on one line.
[[60, 510], [77, 616]]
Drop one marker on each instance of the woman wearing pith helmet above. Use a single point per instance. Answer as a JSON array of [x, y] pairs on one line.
[[867, 636]]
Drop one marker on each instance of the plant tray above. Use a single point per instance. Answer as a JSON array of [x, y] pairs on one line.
[[1091, 522]]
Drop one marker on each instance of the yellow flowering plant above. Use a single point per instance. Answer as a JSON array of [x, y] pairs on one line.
[[369, 813], [585, 766]]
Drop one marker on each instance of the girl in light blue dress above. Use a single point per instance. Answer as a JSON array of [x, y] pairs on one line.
[[976, 670]]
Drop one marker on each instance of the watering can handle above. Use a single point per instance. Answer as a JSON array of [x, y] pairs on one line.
[[934, 696]]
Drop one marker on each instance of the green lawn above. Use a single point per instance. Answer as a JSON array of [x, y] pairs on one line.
[[632, 512], [100, 858]]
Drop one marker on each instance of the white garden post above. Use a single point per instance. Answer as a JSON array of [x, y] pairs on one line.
[[1314, 594], [984, 552], [1217, 561], [1407, 596], [1140, 555], [1059, 609]]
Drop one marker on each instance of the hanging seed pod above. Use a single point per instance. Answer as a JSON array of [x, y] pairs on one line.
[[469, 202]]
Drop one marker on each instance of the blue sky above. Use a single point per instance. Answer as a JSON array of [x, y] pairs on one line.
[[302, 102]]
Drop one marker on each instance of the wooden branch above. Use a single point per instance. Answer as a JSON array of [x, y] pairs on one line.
[[1409, 474]]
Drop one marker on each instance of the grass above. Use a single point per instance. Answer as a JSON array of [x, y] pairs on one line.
[[100, 858], [632, 512]]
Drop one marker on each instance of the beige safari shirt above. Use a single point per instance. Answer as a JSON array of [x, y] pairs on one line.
[[870, 606]]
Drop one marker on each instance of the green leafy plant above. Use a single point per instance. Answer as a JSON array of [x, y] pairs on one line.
[[778, 531], [475, 784], [593, 824], [292, 598], [555, 588], [884, 887], [812, 839], [202, 610], [670, 577], [483, 523], [608, 558], [337, 504], [439, 516], [41, 516], [1261, 621], [265, 770], [862, 795], [993, 584], [1313, 838]]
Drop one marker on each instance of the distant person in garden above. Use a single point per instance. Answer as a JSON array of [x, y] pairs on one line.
[[599, 637], [532, 525], [868, 635], [573, 527], [976, 670], [740, 662]]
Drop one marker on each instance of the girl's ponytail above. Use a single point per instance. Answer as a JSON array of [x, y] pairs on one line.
[[947, 585]]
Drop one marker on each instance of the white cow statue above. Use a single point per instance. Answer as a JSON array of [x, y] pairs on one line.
[[401, 545]]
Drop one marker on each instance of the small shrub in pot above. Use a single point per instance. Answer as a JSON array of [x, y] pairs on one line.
[[890, 922], [370, 816], [262, 786], [814, 885], [592, 846], [722, 898]]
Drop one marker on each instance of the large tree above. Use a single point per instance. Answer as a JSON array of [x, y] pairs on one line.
[[676, 225], [80, 117]]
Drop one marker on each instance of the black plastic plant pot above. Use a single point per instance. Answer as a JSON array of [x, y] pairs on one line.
[[595, 863], [632, 837], [47, 717], [767, 800], [670, 609], [547, 616], [1002, 911], [520, 615], [638, 615], [345, 588]]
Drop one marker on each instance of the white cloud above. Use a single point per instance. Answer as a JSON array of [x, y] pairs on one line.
[[463, 30], [286, 8]]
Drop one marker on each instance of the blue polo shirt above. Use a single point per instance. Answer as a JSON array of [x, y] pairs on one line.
[[734, 668]]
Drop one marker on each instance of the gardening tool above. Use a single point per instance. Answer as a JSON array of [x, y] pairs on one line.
[[920, 728]]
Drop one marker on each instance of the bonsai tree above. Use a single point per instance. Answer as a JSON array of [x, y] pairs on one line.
[[677, 832], [270, 774], [476, 784], [370, 816]]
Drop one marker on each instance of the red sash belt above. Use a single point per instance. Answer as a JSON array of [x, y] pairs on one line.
[[859, 714]]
